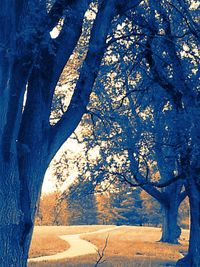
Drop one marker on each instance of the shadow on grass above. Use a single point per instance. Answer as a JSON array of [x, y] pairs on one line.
[[109, 262]]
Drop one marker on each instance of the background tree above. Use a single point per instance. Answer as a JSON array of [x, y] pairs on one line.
[[165, 43], [81, 204], [133, 126], [52, 210], [172, 60], [167, 37], [119, 205]]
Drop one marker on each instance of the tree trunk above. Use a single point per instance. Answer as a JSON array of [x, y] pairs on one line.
[[14, 243], [15, 231], [192, 259], [19, 191], [170, 229]]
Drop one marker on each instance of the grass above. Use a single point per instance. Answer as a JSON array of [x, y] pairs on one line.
[[132, 241], [127, 247], [90, 261]]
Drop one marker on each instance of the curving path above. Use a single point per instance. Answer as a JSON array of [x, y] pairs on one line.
[[78, 247]]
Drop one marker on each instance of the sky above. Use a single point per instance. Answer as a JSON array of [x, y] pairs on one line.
[[49, 184]]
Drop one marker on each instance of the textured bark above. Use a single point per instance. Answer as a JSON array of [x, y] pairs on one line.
[[11, 252], [20, 189], [192, 259], [170, 229], [11, 239]]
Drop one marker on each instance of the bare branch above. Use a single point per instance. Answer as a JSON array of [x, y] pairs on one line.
[[101, 253]]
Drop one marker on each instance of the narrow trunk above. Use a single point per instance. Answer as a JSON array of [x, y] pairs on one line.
[[170, 229], [192, 259]]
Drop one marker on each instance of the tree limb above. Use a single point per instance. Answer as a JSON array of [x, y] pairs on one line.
[[88, 74]]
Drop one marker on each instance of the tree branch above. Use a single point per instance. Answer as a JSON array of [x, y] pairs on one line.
[[47, 71], [101, 254], [88, 74]]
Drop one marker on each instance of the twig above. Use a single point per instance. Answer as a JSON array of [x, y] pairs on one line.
[[101, 253]]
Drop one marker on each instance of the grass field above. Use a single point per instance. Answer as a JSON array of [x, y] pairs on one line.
[[128, 246]]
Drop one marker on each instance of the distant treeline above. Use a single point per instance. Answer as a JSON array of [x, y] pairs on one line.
[[130, 207]]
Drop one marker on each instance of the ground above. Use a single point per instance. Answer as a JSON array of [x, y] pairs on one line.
[[127, 246]]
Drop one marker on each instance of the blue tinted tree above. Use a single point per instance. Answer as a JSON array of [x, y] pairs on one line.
[[31, 63]]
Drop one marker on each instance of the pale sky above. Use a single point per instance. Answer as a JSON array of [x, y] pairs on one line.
[[50, 180]]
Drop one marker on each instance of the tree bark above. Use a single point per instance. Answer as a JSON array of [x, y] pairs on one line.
[[170, 229], [19, 191], [192, 259], [11, 239], [15, 229]]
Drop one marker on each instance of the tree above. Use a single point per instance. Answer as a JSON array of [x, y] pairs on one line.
[[81, 204], [52, 210], [119, 205], [151, 210], [172, 64], [31, 62], [132, 125], [136, 153], [167, 37]]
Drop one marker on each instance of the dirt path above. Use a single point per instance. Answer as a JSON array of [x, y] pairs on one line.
[[78, 247]]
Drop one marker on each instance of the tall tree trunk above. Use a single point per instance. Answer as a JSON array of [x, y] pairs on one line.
[[19, 191], [170, 229], [192, 259], [15, 242], [15, 232], [12, 245]]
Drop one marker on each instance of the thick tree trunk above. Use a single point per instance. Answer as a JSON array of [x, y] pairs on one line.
[[14, 245], [15, 232], [170, 229], [15, 235], [19, 191], [192, 259]]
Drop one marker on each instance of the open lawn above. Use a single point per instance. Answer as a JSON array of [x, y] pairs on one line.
[[127, 246]]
